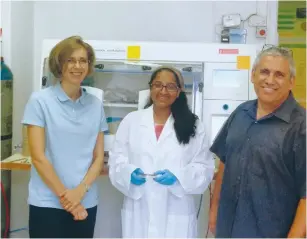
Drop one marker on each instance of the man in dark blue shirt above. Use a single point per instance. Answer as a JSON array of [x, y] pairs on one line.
[[260, 188]]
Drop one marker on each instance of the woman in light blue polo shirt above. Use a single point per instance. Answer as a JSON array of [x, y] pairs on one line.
[[65, 132]]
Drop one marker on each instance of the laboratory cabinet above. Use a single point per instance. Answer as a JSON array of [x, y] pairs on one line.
[[216, 113]]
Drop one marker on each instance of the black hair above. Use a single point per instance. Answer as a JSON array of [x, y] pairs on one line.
[[184, 119]]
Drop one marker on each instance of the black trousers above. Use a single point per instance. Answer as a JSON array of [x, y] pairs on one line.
[[57, 223]]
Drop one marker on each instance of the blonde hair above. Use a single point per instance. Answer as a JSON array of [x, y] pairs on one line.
[[63, 50]]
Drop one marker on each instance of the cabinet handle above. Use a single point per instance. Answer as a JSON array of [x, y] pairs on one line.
[[200, 87]]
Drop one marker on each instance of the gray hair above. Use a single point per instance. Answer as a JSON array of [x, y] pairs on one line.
[[277, 51]]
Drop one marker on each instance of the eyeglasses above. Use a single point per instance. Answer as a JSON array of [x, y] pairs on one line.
[[171, 87], [281, 49], [82, 62]]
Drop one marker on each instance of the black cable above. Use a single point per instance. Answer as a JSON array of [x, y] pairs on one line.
[[209, 211], [199, 207]]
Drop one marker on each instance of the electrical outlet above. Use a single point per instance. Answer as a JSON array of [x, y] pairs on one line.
[[261, 32]]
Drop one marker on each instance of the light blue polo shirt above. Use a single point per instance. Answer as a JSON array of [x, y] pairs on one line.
[[71, 129]]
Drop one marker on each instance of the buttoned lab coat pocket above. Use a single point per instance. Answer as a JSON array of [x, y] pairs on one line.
[[181, 226]]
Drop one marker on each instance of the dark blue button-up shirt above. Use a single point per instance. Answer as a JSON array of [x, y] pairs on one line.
[[265, 170]]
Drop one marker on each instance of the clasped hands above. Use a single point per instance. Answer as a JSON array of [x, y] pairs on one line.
[[164, 177], [70, 200]]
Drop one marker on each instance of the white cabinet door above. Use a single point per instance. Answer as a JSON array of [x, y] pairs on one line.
[[215, 113], [225, 81]]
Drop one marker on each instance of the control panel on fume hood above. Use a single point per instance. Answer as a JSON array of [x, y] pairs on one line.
[[225, 81]]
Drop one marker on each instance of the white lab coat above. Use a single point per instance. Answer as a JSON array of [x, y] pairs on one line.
[[155, 210]]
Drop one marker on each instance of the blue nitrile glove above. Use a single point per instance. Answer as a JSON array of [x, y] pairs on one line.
[[165, 177], [137, 178]]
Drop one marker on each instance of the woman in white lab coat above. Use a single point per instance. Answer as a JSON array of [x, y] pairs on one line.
[[159, 159]]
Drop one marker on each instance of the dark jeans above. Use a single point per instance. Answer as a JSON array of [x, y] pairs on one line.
[[57, 223]]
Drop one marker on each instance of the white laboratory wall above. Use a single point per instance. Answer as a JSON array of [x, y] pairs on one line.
[[31, 22]]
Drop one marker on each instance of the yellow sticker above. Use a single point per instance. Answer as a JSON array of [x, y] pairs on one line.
[[134, 52], [243, 62]]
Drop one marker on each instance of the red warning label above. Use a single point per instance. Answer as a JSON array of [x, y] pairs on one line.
[[228, 51]]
